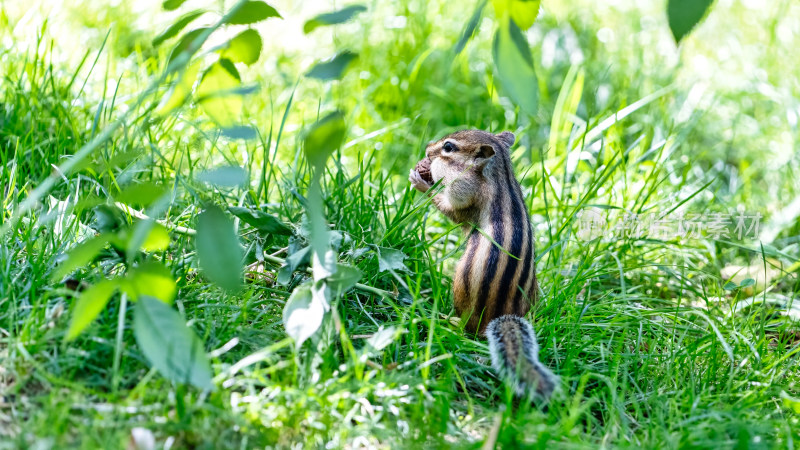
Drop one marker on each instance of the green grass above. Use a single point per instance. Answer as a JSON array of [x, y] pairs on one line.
[[651, 348]]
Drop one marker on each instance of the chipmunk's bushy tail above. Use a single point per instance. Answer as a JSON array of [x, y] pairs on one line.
[[515, 357]]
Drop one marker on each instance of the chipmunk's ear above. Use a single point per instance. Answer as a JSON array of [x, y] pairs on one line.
[[484, 154], [507, 138]]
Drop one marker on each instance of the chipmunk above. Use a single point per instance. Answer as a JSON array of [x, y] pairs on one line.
[[492, 290]]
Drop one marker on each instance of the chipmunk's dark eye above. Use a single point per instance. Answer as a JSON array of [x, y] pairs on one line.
[[449, 147]]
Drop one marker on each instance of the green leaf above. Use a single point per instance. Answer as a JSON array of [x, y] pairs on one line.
[[791, 403], [242, 90], [122, 158], [293, 261], [343, 279], [89, 305], [390, 259], [245, 47], [323, 138], [79, 256], [216, 100], [333, 17], [157, 240], [261, 221], [470, 28], [147, 236], [303, 314], [747, 282], [140, 194], [169, 345], [182, 88], [218, 249], [185, 43], [153, 279], [240, 132], [382, 338], [684, 15], [107, 218], [226, 176], [522, 12], [333, 68], [176, 27], [729, 286], [252, 12], [171, 5], [230, 67], [512, 56]]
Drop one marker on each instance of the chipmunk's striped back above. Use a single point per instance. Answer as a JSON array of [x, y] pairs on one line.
[[489, 281], [495, 281]]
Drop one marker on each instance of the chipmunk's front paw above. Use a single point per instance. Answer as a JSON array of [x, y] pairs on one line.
[[416, 180]]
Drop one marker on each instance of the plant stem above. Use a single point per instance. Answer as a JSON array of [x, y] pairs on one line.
[[123, 306]]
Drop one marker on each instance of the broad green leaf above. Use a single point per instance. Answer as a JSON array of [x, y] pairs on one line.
[[153, 279], [252, 12], [333, 17], [89, 305], [333, 68], [226, 176], [245, 47], [169, 345], [747, 282], [176, 27], [303, 314], [261, 221], [185, 43], [343, 279], [390, 259], [321, 293], [157, 239], [240, 132], [791, 403], [683, 15], [107, 218], [512, 56], [382, 338], [171, 5], [323, 259], [79, 256], [293, 261], [729, 286], [230, 67], [140, 194], [470, 28], [216, 102], [122, 158], [522, 12], [323, 138], [146, 235], [218, 249], [242, 90], [182, 88]]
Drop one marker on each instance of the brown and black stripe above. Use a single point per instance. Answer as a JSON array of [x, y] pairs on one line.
[[489, 283]]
